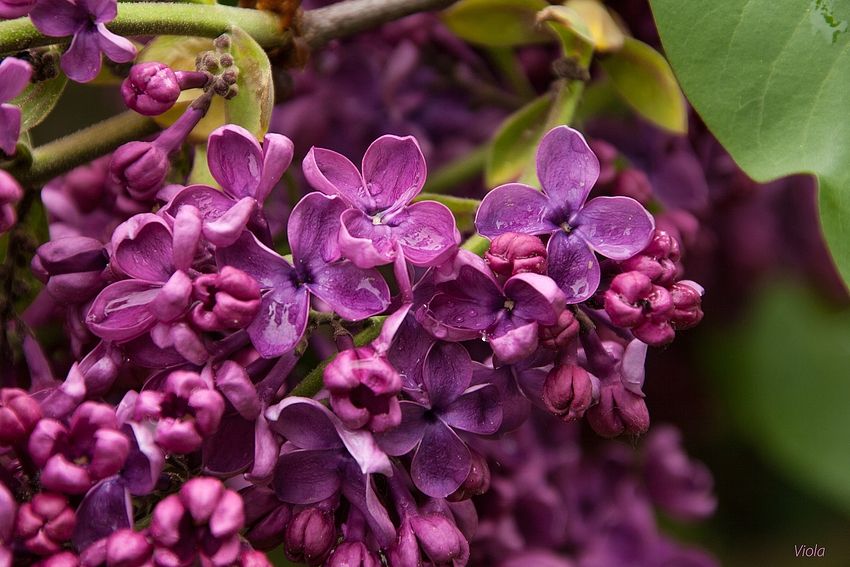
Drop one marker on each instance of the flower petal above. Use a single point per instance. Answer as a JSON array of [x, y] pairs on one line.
[[10, 128], [514, 208], [334, 174], [573, 266], [404, 438], [277, 155], [121, 311], [81, 62], [227, 228], [536, 298], [513, 339], [307, 476], [235, 160], [360, 492], [354, 293], [616, 227], [212, 204], [478, 410], [364, 243], [441, 463], [394, 171], [142, 248], [427, 233], [446, 373], [313, 230], [281, 320], [116, 48], [257, 260], [16, 75], [304, 423], [230, 449], [567, 168], [104, 510], [58, 18]]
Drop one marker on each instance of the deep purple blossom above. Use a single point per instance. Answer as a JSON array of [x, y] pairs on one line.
[[615, 227], [317, 269], [200, 523], [323, 458], [14, 78], [74, 457], [85, 20], [381, 219], [247, 172], [449, 402], [186, 411], [364, 388], [475, 305]]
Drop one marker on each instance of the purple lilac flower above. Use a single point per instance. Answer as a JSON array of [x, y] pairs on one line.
[[200, 523], [364, 387], [317, 269], [322, 458], [14, 78], [381, 219], [85, 20], [157, 294], [475, 305], [10, 9], [615, 227], [74, 457], [448, 402], [45, 524], [186, 411], [19, 414], [247, 173], [125, 548]]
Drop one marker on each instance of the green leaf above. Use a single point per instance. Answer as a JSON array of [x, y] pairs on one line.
[[770, 78], [200, 174], [38, 100], [462, 208], [785, 373], [252, 107], [497, 23], [644, 80], [514, 144]]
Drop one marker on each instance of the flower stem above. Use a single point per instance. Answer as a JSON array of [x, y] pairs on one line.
[[75, 149]]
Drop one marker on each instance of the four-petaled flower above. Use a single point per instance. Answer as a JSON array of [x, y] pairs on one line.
[[85, 20], [615, 227], [381, 219], [354, 293]]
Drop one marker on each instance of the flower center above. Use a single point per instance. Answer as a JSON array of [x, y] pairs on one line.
[[565, 226], [509, 304]]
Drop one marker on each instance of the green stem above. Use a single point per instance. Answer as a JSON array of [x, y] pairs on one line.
[[476, 244], [458, 171], [82, 146], [462, 209], [161, 18], [313, 382]]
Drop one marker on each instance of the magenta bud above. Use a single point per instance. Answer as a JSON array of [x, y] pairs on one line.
[[562, 333], [10, 194], [618, 411], [72, 254], [513, 253], [364, 387], [45, 523], [633, 301], [151, 88], [687, 304], [309, 536], [607, 156], [568, 391], [228, 300], [477, 481], [440, 539], [659, 261], [353, 554], [127, 547], [633, 183], [19, 414], [140, 167]]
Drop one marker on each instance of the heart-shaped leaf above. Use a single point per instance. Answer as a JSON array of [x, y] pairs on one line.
[[770, 78]]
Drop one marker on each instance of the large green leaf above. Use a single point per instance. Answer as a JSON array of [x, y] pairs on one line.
[[513, 146], [771, 79], [785, 373], [497, 23], [38, 100]]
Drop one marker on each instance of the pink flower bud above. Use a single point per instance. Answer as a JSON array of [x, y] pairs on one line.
[[140, 167], [618, 411], [687, 302], [512, 253], [310, 536], [440, 539], [477, 481], [45, 523], [10, 194], [19, 414], [559, 335], [569, 391], [228, 300], [633, 183], [151, 88], [353, 554]]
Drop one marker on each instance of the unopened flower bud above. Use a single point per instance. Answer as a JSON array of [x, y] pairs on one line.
[[513, 253], [151, 88], [633, 183], [687, 304], [353, 554], [607, 156], [618, 411], [72, 254], [477, 481], [10, 194], [659, 261], [227, 300], [559, 335], [19, 414], [440, 539], [141, 167], [309, 536], [633, 301], [45, 523], [568, 391]]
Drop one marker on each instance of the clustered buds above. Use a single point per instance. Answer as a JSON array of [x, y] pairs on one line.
[[152, 87]]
